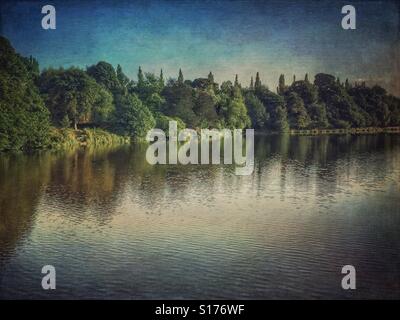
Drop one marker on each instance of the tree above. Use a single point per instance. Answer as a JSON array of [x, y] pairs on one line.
[[149, 91], [155, 102], [318, 116], [180, 77], [223, 98], [279, 119], [236, 81], [256, 111], [122, 78], [227, 87], [204, 108], [324, 80], [162, 122], [65, 122], [394, 109], [306, 91], [104, 74], [179, 102], [32, 67], [275, 106], [297, 114], [210, 78], [374, 104], [201, 83], [282, 86], [316, 110], [140, 77], [212, 87], [237, 117], [342, 111], [103, 105], [133, 118], [257, 84], [347, 84], [24, 120], [161, 80], [74, 93], [236, 114]]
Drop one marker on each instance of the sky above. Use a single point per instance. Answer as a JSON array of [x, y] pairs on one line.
[[225, 37]]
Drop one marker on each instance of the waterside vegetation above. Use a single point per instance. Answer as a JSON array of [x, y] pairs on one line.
[[98, 106]]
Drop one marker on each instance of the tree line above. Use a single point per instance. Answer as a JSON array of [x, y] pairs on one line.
[[31, 102]]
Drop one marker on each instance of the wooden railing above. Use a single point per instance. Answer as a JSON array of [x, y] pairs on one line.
[[369, 130]]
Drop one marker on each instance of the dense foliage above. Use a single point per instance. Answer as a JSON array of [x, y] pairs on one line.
[[24, 119], [102, 96]]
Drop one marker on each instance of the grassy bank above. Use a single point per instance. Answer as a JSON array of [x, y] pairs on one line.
[[69, 138]]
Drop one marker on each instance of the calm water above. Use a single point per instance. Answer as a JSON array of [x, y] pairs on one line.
[[115, 227]]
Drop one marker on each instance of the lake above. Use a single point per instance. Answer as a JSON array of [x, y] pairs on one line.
[[116, 227]]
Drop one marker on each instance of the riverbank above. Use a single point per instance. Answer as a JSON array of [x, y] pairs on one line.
[[95, 137], [368, 130], [69, 138], [332, 131]]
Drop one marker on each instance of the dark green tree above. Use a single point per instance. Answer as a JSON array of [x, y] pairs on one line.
[[236, 115], [210, 78], [161, 80], [374, 104], [281, 86], [74, 93], [132, 117], [347, 84], [256, 110], [24, 120], [297, 114], [275, 106], [122, 78], [204, 107], [342, 111], [179, 102], [180, 77], [236, 84], [104, 74], [257, 84], [140, 77]]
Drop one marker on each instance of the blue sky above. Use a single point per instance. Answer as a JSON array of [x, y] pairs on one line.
[[226, 37]]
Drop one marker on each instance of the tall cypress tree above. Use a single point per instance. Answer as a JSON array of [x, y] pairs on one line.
[[282, 87], [347, 84], [210, 78], [161, 80], [257, 84], [236, 81], [251, 84], [180, 77], [140, 77], [306, 78]]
